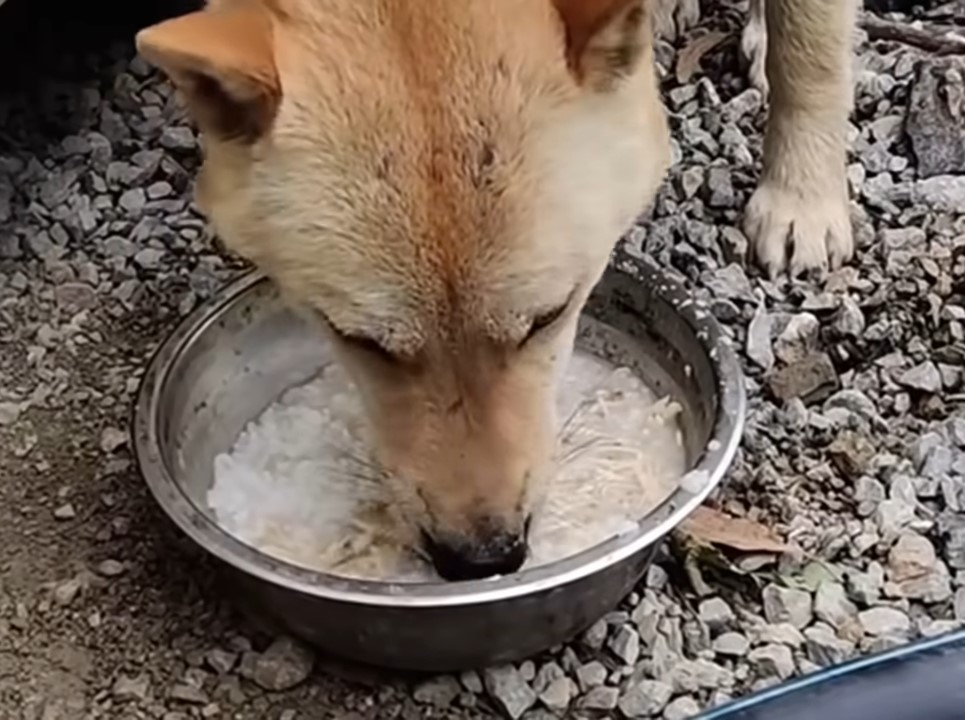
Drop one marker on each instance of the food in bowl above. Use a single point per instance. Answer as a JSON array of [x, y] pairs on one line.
[[300, 482]]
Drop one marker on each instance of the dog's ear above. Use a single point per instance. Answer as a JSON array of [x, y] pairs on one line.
[[222, 61], [605, 39]]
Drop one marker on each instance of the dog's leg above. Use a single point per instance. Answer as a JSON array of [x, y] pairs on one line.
[[798, 218], [754, 45]]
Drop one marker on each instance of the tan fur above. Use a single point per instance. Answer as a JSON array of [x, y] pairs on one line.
[[436, 175]]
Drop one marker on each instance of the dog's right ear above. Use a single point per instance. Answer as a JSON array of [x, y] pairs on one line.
[[605, 39], [222, 62]]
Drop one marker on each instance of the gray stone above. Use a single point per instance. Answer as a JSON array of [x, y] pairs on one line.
[[439, 692], [65, 512], [958, 606], [720, 190], [849, 321], [41, 245], [645, 698], [887, 128], [812, 379], [798, 338], [868, 493], [692, 675], [759, 339], [716, 614], [852, 453], [733, 243], [472, 682], [591, 674], [188, 694], [221, 661], [133, 201], [131, 688], [285, 664], [748, 102], [865, 587], [916, 572], [178, 138], [683, 708], [937, 463], [884, 621], [600, 698], [148, 258], [625, 644], [787, 605], [548, 673], [731, 283], [112, 439], [824, 647], [773, 660], [559, 693], [115, 246], [780, 633], [912, 556], [731, 644], [832, 606], [509, 690], [691, 179], [942, 193], [595, 635], [892, 517], [111, 568], [935, 120], [66, 592], [956, 430], [923, 377]]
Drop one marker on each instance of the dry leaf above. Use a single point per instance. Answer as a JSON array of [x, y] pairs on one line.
[[710, 526], [689, 59]]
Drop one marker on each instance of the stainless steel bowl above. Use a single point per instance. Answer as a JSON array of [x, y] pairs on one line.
[[233, 357]]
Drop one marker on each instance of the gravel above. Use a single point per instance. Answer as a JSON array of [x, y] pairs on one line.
[[854, 448], [283, 665]]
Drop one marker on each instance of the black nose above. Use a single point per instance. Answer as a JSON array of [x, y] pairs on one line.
[[500, 554]]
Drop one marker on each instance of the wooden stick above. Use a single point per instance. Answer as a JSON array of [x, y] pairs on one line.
[[879, 29]]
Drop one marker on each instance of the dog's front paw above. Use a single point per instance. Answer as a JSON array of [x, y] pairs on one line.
[[802, 232]]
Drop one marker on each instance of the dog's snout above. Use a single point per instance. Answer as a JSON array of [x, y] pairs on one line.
[[454, 558]]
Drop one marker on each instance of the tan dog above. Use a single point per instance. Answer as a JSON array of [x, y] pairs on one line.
[[442, 181]]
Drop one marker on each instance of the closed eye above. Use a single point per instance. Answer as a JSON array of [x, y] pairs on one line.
[[362, 342], [367, 344], [544, 321]]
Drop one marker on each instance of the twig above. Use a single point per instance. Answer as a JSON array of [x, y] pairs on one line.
[[879, 29], [951, 12]]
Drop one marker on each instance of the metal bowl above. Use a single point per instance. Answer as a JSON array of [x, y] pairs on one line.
[[233, 357]]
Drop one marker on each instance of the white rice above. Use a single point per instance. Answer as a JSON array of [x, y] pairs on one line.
[[295, 485]]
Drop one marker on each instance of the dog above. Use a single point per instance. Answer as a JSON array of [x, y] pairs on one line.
[[441, 183]]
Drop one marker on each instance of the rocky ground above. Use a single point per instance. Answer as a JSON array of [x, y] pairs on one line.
[[854, 451]]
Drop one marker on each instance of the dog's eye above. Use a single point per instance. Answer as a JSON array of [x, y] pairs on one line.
[[369, 345], [543, 321], [362, 342]]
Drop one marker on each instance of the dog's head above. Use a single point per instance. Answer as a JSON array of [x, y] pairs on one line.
[[441, 181]]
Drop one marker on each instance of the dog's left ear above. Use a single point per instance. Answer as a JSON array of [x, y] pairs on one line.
[[605, 39], [222, 61]]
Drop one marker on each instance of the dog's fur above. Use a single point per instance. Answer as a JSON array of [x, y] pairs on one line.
[[442, 181]]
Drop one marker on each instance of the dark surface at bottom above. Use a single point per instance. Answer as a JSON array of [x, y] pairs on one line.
[[921, 681]]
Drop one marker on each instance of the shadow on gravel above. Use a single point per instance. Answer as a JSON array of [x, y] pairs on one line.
[[42, 39], [50, 50]]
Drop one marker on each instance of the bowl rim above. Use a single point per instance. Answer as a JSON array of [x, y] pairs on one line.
[[715, 461]]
